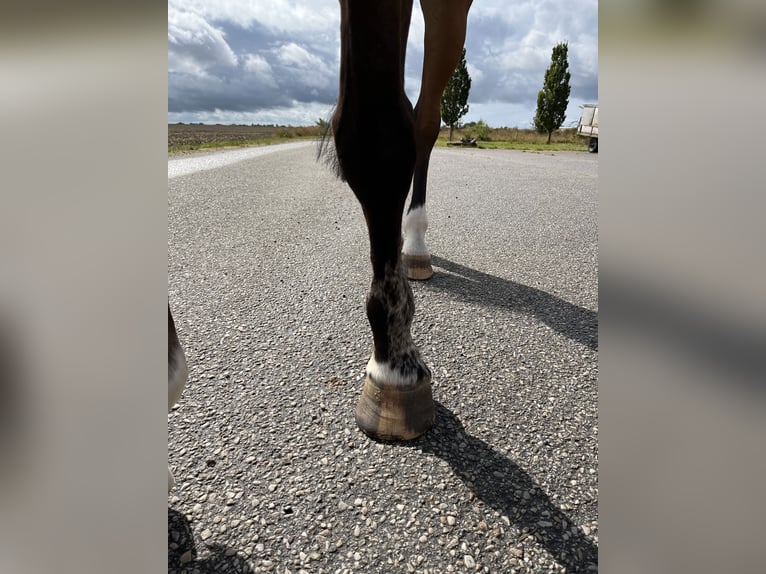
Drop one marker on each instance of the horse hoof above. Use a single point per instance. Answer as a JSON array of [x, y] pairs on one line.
[[395, 412], [418, 266]]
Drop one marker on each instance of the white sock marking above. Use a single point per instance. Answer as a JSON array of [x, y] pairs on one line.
[[415, 226], [383, 373], [176, 377]]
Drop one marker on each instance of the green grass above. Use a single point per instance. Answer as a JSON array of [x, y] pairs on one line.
[[515, 145], [524, 146], [218, 137], [519, 139], [531, 146]]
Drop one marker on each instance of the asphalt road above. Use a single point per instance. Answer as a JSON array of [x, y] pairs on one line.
[[268, 271]]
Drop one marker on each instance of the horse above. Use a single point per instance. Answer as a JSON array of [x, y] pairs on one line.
[[445, 29], [382, 145], [177, 373], [381, 142]]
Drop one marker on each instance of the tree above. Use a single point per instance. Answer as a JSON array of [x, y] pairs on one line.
[[553, 99], [454, 100]]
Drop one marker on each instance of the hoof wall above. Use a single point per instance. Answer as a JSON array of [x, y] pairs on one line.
[[395, 412], [418, 266]]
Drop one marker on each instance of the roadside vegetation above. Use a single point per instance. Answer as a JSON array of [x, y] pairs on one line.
[[553, 99], [485, 137], [453, 104], [186, 138]]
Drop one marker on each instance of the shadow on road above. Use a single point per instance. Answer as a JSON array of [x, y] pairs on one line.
[[472, 286], [504, 486], [182, 554]]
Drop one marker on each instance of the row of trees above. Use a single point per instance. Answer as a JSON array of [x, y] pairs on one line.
[[552, 100]]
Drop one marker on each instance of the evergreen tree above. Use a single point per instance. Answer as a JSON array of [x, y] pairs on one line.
[[553, 99], [454, 100]]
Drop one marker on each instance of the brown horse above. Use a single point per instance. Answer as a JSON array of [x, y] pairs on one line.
[[445, 34], [177, 373], [381, 142]]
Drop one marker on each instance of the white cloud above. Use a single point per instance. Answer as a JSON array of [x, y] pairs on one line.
[[215, 67], [475, 73], [283, 15], [260, 68], [293, 55], [293, 113], [302, 68], [254, 56], [195, 46]]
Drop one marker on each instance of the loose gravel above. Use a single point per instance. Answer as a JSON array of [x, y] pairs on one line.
[[268, 271]]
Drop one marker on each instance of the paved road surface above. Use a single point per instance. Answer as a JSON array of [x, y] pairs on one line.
[[268, 271]]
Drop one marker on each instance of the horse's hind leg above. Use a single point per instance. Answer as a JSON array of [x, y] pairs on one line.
[[445, 24], [177, 373], [373, 127]]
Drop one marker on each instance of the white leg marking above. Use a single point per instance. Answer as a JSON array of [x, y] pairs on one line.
[[171, 481], [177, 374], [415, 226], [383, 373]]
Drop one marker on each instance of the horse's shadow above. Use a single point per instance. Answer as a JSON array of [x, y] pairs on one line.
[[472, 286], [182, 554], [504, 486]]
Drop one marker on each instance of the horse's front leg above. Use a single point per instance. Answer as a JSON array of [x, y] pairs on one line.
[[373, 127], [396, 402]]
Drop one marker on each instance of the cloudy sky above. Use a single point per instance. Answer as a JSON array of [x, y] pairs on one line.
[[277, 61]]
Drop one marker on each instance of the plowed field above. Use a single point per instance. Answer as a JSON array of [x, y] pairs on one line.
[[199, 134]]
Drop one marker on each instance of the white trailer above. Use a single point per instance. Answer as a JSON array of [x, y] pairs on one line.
[[588, 126]]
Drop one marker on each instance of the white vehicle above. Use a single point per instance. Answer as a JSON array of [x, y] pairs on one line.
[[588, 126]]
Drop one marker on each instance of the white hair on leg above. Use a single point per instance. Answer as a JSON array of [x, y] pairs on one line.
[[177, 374], [415, 226], [383, 372]]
